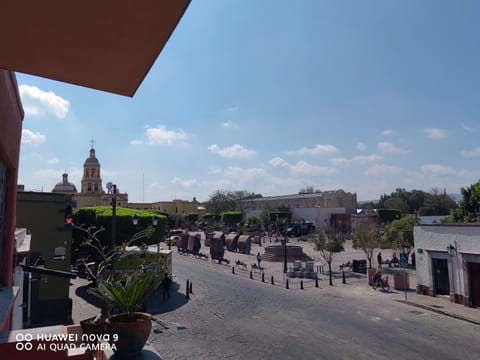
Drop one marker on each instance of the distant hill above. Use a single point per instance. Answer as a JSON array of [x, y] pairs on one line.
[[456, 197]]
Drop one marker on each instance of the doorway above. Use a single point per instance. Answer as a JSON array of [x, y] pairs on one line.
[[474, 275], [440, 277]]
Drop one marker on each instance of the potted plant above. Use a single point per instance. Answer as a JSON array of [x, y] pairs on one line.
[[128, 293], [105, 259]]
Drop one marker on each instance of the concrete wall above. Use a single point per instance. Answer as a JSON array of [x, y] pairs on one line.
[[11, 116], [43, 215]]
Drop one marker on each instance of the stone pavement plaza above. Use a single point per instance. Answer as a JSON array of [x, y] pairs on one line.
[[84, 306]]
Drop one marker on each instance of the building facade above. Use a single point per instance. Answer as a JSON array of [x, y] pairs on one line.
[[448, 261], [315, 207], [91, 190], [176, 206]]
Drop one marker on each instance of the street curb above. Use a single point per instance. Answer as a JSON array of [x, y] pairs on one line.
[[442, 312]]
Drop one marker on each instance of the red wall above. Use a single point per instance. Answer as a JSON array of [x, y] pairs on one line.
[[11, 116]]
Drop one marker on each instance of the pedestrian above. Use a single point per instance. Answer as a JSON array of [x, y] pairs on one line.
[[413, 259], [379, 259], [377, 279], [259, 259], [166, 287]]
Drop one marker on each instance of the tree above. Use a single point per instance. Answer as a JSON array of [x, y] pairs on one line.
[[397, 204], [232, 217], [309, 189], [367, 237], [223, 200], [469, 206], [219, 202], [399, 234], [328, 244], [241, 197], [437, 203]]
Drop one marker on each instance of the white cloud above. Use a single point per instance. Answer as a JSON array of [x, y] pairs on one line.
[[38, 102], [136, 142], [387, 132], [471, 153], [383, 169], [53, 161], [48, 174], [161, 136], [468, 128], [30, 137], [316, 150], [232, 109], [390, 148], [361, 146], [185, 183], [234, 151], [359, 159], [436, 169], [245, 174], [302, 168], [435, 134], [229, 124], [277, 161]]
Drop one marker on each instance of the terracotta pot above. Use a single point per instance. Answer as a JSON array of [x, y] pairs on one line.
[[132, 335], [90, 327]]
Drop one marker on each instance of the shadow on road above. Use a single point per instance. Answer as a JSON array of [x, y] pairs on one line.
[[155, 304]]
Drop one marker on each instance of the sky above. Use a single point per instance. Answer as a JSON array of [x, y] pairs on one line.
[[273, 96]]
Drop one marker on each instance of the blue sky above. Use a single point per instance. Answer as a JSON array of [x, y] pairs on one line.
[[272, 96]]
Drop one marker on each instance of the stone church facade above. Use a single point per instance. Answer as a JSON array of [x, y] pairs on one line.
[[91, 190]]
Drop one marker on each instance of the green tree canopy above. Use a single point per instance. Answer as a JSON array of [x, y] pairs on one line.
[[399, 234], [469, 207], [223, 200], [232, 217], [437, 202]]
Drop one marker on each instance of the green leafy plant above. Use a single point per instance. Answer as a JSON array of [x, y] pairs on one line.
[[129, 291], [106, 258]]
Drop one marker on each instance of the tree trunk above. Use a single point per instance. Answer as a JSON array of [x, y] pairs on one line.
[[330, 272]]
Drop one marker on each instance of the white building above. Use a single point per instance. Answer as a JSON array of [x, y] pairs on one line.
[[313, 207], [448, 261]]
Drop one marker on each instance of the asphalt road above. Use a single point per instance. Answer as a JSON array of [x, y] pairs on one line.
[[232, 317]]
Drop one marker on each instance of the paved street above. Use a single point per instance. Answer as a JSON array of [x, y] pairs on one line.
[[231, 316]]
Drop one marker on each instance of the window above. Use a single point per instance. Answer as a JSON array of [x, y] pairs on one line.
[[86, 172], [96, 187], [93, 172], [89, 187]]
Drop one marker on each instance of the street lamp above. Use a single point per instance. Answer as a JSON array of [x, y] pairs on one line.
[[284, 247], [113, 188], [452, 250]]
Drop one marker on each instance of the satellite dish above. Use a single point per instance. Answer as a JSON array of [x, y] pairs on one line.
[[109, 185]]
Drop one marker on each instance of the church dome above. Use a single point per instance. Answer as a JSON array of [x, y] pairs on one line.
[[92, 160], [64, 186]]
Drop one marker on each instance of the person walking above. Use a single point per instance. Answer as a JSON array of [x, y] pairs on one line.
[[166, 287], [259, 259], [379, 259]]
